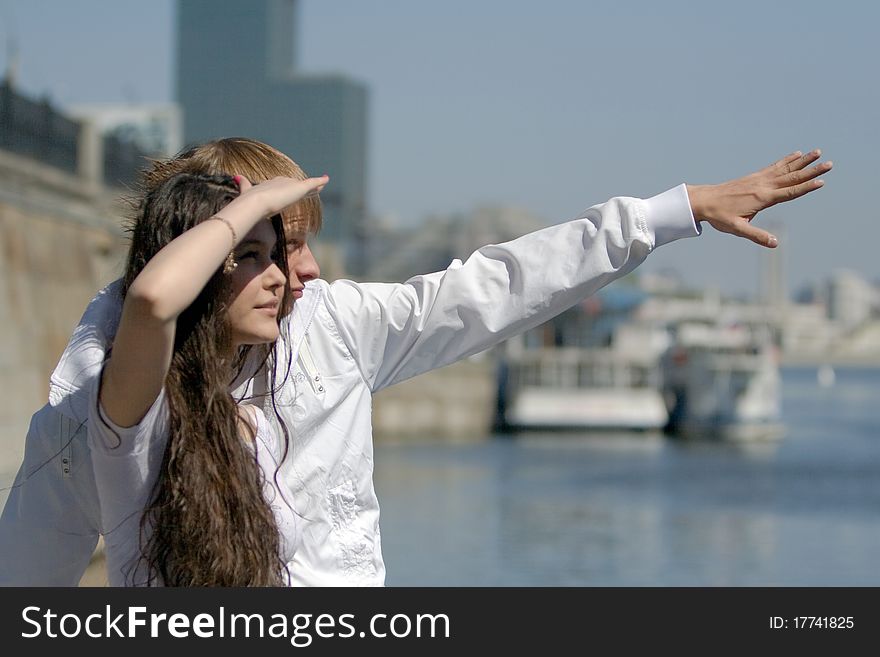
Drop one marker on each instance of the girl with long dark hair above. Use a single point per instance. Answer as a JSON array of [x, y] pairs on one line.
[[186, 476]]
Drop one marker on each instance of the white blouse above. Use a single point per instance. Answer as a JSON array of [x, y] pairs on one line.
[[126, 463]]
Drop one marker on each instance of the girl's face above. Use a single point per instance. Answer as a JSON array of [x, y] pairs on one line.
[[257, 288]]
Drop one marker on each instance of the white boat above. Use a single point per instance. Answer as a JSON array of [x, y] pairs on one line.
[[580, 388], [722, 382]]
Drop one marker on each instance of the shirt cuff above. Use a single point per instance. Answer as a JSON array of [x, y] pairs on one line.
[[669, 217]]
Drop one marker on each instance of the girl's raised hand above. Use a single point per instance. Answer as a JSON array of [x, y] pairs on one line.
[[272, 196]]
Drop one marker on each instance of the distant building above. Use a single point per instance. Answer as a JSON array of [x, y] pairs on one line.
[[156, 128], [36, 130], [237, 76], [396, 255], [850, 299]]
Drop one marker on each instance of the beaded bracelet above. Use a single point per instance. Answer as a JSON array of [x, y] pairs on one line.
[[230, 264]]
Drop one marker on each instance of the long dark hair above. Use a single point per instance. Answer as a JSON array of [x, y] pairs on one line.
[[207, 523]]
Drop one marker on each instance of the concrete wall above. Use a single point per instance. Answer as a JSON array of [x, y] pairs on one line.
[[456, 403], [60, 241]]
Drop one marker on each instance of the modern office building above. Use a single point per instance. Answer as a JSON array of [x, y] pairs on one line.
[[237, 76]]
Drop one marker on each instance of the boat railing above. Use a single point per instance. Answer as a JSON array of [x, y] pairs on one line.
[[570, 367]]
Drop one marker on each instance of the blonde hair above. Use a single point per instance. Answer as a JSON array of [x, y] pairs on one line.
[[250, 158]]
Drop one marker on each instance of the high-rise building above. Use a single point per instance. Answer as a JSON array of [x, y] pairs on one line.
[[237, 76]]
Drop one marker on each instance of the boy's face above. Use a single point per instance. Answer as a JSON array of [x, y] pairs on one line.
[[301, 263]]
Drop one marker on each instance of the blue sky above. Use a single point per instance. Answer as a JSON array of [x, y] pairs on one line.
[[552, 106]]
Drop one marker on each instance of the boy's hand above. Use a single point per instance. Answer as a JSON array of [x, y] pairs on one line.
[[731, 206]]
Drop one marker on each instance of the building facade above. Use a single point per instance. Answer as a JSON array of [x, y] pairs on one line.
[[237, 76]]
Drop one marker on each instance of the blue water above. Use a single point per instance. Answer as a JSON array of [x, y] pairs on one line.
[[642, 510]]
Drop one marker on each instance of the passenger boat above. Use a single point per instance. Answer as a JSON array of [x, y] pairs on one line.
[[722, 382], [616, 387]]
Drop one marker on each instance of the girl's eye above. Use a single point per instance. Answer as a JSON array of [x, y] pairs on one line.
[[249, 254]]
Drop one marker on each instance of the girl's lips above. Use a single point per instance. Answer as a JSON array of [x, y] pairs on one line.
[[270, 308], [297, 294]]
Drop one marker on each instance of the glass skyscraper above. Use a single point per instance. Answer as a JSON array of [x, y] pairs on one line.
[[237, 76]]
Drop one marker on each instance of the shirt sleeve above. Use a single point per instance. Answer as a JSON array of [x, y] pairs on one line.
[[49, 526], [126, 462], [396, 331], [73, 377]]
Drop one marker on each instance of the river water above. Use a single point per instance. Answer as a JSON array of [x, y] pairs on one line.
[[643, 510]]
